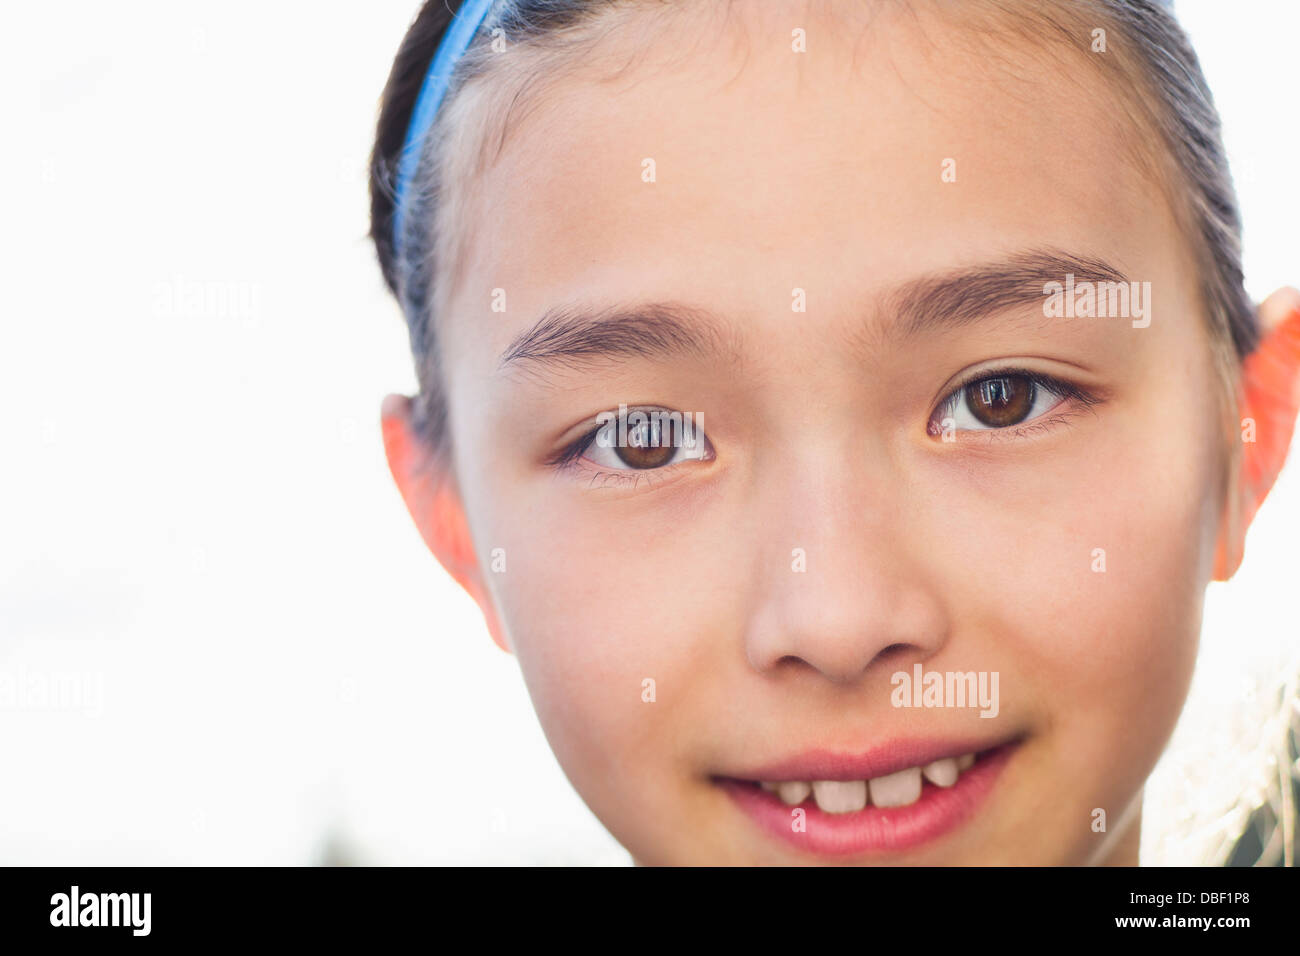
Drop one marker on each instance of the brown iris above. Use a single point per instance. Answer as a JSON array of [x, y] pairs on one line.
[[649, 445], [1000, 401]]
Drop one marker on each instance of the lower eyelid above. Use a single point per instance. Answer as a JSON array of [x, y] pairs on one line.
[[632, 477], [1047, 421]]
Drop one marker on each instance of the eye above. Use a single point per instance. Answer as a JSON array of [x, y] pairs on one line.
[[1001, 399], [643, 439]]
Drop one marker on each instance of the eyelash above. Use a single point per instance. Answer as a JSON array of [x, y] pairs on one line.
[[574, 450], [1065, 391]]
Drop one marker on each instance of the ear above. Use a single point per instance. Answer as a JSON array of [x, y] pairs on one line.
[[429, 489], [1270, 398]]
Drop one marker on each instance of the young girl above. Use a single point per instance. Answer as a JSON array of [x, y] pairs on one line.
[[839, 409]]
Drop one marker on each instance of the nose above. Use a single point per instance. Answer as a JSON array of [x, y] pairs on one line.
[[840, 587]]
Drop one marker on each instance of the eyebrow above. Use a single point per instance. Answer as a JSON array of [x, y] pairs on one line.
[[575, 336], [572, 334], [958, 298]]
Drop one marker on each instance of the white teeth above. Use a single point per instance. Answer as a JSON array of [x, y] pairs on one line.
[[793, 792], [840, 796], [894, 790], [941, 773], [897, 789]]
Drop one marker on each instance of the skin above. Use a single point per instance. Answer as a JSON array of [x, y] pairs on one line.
[[822, 171]]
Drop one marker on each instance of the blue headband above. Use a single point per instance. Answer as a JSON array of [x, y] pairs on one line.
[[454, 43]]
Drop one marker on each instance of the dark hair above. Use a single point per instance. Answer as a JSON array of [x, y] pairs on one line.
[[1159, 71]]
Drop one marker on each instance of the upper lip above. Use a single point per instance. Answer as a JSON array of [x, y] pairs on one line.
[[880, 761]]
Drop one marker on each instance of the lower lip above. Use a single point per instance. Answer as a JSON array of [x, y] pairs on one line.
[[874, 829]]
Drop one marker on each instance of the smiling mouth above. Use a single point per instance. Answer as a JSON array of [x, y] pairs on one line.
[[894, 799]]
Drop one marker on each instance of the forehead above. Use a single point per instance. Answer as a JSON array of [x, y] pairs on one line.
[[774, 169]]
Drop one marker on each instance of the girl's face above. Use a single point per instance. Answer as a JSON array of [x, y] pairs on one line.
[[810, 252]]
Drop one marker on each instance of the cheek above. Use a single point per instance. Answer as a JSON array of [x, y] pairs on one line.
[[1082, 581], [607, 617], [596, 606], [1102, 565], [1087, 582], [625, 640]]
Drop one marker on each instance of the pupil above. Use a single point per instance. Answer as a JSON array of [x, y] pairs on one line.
[[649, 445], [1001, 401]]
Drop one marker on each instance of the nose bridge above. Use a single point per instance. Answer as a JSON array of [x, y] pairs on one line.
[[839, 581]]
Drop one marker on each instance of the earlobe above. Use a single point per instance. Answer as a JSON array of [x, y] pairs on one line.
[[434, 503], [1270, 399]]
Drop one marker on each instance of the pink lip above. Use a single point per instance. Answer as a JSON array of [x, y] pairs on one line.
[[873, 829]]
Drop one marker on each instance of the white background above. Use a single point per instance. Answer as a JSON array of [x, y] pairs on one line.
[[198, 534]]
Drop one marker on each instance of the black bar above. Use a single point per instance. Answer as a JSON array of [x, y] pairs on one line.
[[235, 905]]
